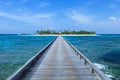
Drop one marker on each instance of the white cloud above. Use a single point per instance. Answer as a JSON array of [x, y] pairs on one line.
[[21, 11], [108, 24], [5, 3], [36, 19], [113, 18], [44, 4], [43, 15], [80, 18]]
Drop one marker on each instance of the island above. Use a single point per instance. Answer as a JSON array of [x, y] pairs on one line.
[[66, 32]]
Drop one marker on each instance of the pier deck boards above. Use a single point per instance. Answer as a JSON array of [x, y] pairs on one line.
[[60, 63]]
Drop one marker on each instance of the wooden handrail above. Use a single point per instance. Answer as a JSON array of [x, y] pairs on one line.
[[94, 70], [19, 73]]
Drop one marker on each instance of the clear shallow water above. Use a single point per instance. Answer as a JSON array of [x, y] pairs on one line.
[[16, 50], [95, 48]]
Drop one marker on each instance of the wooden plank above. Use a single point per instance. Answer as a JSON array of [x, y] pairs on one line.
[[19, 73], [60, 63], [94, 70]]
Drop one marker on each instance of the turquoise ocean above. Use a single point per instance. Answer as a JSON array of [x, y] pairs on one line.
[[15, 50], [102, 50]]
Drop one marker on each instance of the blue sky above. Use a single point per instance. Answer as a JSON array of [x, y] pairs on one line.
[[28, 16]]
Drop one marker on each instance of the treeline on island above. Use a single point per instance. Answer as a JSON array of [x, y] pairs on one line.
[[64, 32]]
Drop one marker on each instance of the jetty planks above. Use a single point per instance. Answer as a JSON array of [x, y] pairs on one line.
[[60, 63]]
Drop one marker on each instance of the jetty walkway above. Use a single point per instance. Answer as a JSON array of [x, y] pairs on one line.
[[58, 61]]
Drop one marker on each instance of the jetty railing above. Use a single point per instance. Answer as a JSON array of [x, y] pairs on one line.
[[100, 75], [20, 72]]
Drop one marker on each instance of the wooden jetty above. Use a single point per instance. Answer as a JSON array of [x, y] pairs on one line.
[[59, 60]]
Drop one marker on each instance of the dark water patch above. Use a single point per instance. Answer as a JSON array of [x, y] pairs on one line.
[[95, 47], [112, 56]]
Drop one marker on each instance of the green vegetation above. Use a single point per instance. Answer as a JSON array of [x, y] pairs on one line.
[[64, 32]]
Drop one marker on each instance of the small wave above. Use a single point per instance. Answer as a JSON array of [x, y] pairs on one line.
[[110, 76], [101, 66]]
